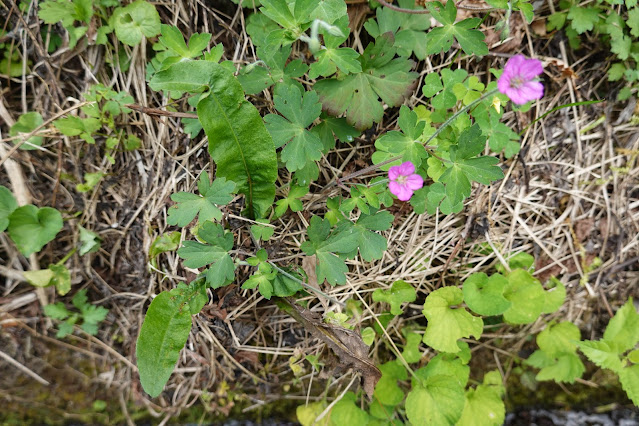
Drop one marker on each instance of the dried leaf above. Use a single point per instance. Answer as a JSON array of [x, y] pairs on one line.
[[347, 344]]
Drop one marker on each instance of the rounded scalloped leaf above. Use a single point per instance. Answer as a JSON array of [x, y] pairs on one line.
[[447, 322], [32, 228], [484, 295], [138, 19]]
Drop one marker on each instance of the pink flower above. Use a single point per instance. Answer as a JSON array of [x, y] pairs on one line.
[[519, 82], [404, 181]]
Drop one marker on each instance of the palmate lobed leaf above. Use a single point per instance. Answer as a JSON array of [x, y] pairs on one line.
[[301, 146], [205, 206], [358, 95]]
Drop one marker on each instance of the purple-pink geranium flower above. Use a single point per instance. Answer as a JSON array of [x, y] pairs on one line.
[[519, 79], [404, 181]]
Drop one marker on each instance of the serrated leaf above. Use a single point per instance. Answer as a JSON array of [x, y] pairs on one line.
[[357, 95], [440, 39], [173, 40], [166, 327], [205, 206], [325, 246], [405, 143], [484, 295], [602, 354], [371, 245], [300, 145], [623, 329], [291, 201], [583, 18], [447, 324], [629, 378], [275, 70], [399, 293], [565, 369], [483, 405], [409, 29], [134, 21], [57, 311], [438, 401], [31, 228], [54, 11]]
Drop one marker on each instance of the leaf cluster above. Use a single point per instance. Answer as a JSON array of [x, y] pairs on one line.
[[89, 315]]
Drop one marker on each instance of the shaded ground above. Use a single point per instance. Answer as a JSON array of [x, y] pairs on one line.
[[571, 196]]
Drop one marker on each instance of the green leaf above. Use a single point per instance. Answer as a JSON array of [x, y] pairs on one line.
[[330, 11], [166, 327], [346, 412], [409, 29], [325, 246], [438, 401], [221, 273], [57, 311], [484, 295], [602, 353], [307, 413], [583, 18], [134, 21], [168, 241], [90, 181], [557, 355], [399, 293], [197, 255], [465, 168], [31, 228], [387, 391], [8, 204], [76, 126], [173, 40], [411, 352], [54, 11], [55, 275], [291, 201], [261, 232], [633, 21], [483, 405], [185, 76], [275, 70], [239, 143], [623, 329], [357, 94], [368, 336], [629, 378], [555, 296], [447, 323], [285, 286], [372, 245], [440, 39], [205, 206], [406, 143], [26, 124], [89, 241], [448, 364], [91, 317], [527, 298], [299, 112]]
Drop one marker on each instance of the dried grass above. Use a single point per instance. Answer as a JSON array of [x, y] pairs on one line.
[[569, 196]]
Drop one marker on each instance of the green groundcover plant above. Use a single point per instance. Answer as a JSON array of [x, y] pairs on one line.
[[323, 99]]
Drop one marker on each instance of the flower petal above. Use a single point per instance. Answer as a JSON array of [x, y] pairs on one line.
[[414, 182], [394, 172], [404, 194], [407, 168], [395, 188]]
